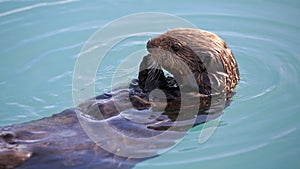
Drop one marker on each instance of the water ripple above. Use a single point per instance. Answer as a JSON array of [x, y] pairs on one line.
[[264, 92], [231, 153], [58, 77], [284, 133], [10, 21], [38, 99], [35, 60], [43, 4]]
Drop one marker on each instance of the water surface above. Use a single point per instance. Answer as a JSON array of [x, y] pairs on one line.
[[40, 41]]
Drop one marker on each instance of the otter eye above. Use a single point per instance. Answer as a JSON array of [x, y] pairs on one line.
[[175, 47]]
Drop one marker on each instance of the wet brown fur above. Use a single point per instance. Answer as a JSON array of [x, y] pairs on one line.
[[193, 46]]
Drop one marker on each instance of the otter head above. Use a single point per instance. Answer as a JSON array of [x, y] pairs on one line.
[[179, 51], [170, 50], [205, 54]]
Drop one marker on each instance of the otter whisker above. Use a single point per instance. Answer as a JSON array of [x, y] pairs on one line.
[[153, 71]]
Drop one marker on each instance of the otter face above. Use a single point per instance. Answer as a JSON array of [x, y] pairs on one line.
[[161, 51], [172, 53], [177, 58]]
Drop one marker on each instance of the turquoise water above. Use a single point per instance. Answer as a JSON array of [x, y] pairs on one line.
[[40, 41]]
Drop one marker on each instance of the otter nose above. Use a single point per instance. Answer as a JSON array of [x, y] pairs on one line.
[[149, 44], [152, 44]]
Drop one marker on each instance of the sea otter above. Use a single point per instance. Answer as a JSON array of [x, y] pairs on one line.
[[205, 54], [189, 55]]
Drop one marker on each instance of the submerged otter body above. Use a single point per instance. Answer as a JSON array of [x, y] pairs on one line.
[[60, 141]]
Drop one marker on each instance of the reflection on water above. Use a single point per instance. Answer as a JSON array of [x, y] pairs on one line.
[[40, 42]]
